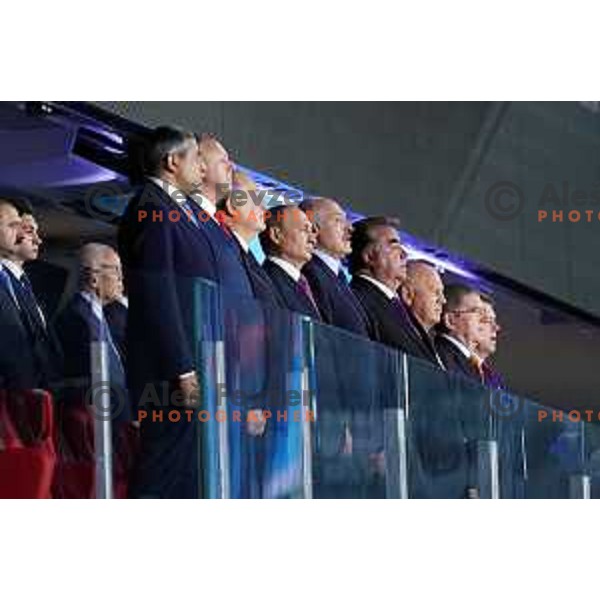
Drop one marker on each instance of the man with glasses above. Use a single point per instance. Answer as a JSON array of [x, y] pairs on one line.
[[459, 330], [486, 342]]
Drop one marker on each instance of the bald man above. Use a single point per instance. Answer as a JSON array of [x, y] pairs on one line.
[[79, 324], [423, 294], [83, 321], [337, 303]]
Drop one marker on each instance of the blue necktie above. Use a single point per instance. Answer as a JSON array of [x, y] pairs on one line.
[[190, 214], [31, 301], [342, 277]]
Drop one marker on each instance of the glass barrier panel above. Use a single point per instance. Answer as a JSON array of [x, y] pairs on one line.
[[452, 446], [592, 455], [554, 452], [358, 434], [254, 381]]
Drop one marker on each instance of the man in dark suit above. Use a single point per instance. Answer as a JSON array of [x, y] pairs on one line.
[[378, 265], [243, 215], [116, 317], [336, 301], [289, 241], [80, 323], [35, 357], [459, 329], [18, 367], [423, 294], [168, 241], [486, 342]]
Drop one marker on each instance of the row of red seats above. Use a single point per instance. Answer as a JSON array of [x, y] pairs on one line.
[[49, 455]]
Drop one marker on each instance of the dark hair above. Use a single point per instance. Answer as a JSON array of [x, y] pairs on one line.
[[455, 293], [273, 219], [15, 199], [162, 142], [487, 298], [362, 238]]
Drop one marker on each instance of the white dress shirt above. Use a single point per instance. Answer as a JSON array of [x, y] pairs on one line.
[[288, 267], [205, 204], [333, 263], [172, 191], [459, 345], [96, 305], [243, 243], [390, 293]]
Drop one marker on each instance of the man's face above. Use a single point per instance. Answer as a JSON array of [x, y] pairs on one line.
[[248, 213], [110, 278], [426, 296], [10, 230], [464, 322], [387, 257], [29, 241], [334, 231], [487, 333], [187, 168], [297, 238], [219, 169]]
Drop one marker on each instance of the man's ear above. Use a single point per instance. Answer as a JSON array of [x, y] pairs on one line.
[[407, 294], [171, 163], [447, 321], [230, 208], [367, 256], [276, 235]]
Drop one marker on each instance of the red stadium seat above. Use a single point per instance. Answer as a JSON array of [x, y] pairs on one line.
[[75, 474], [27, 457]]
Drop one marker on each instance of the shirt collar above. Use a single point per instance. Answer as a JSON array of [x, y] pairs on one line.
[[14, 268], [389, 293], [204, 203], [288, 267], [333, 263], [243, 243], [179, 197], [93, 301], [458, 344], [172, 191]]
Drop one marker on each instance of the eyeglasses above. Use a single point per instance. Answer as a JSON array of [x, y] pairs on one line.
[[467, 311]]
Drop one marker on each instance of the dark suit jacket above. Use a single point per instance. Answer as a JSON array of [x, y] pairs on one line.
[[337, 303], [116, 316], [457, 362], [391, 323], [19, 365], [77, 328], [454, 359], [262, 286], [288, 291], [163, 261]]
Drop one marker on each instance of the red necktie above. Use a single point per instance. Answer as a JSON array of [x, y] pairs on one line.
[[304, 288]]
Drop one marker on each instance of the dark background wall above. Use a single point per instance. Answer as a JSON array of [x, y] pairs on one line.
[[431, 163]]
